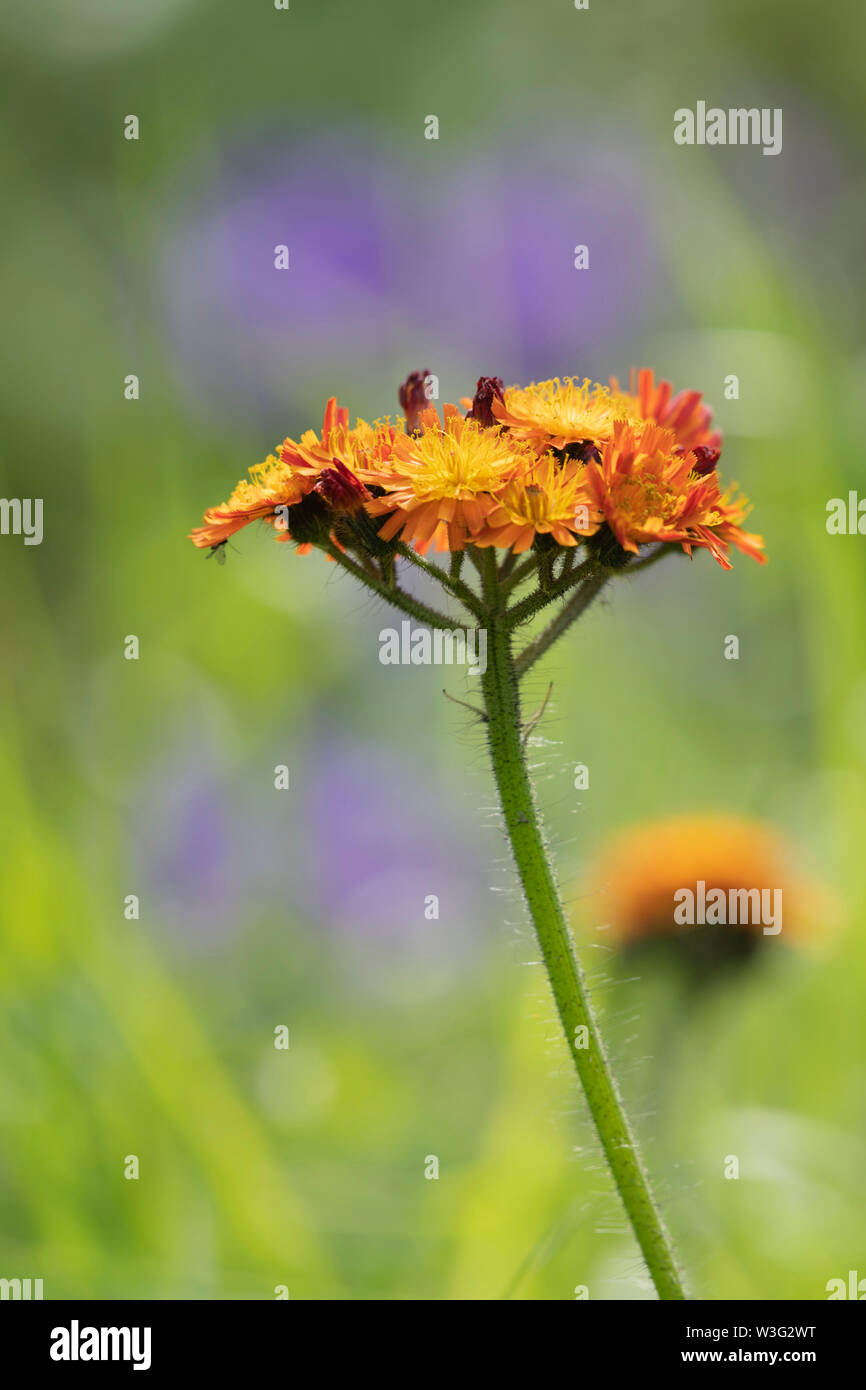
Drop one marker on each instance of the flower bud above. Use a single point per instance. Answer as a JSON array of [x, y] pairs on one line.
[[706, 458], [488, 390], [412, 396], [339, 487]]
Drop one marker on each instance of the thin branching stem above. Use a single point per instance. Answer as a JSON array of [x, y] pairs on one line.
[[517, 576], [507, 566], [454, 585], [392, 593], [535, 602]]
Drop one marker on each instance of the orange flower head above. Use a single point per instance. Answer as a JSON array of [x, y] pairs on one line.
[[271, 484], [685, 414], [330, 464], [649, 490], [358, 449], [549, 498], [645, 866], [439, 483], [559, 413]]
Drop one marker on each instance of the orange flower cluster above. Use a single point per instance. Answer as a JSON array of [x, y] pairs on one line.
[[566, 459]]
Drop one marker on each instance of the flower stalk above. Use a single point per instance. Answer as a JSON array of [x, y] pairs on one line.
[[567, 983], [506, 731], [574, 484]]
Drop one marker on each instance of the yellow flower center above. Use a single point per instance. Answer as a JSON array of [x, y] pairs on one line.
[[569, 407], [549, 495], [442, 463], [646, 493], [267, 481]]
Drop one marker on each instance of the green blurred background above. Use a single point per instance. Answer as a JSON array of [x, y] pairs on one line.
[[306, 1167]]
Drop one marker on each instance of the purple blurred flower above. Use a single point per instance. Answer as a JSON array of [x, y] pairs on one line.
[[256, 337], [202, 853], [493, 250], [475, 261], [352, 848], [378, 843]]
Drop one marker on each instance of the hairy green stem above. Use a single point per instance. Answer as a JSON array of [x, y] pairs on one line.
[[541, 598], [584, 1041], [392, 593], [507, 566], [511, 576], [451, 582]]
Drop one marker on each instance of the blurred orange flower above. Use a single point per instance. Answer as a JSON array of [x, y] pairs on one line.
[[644, 866]]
